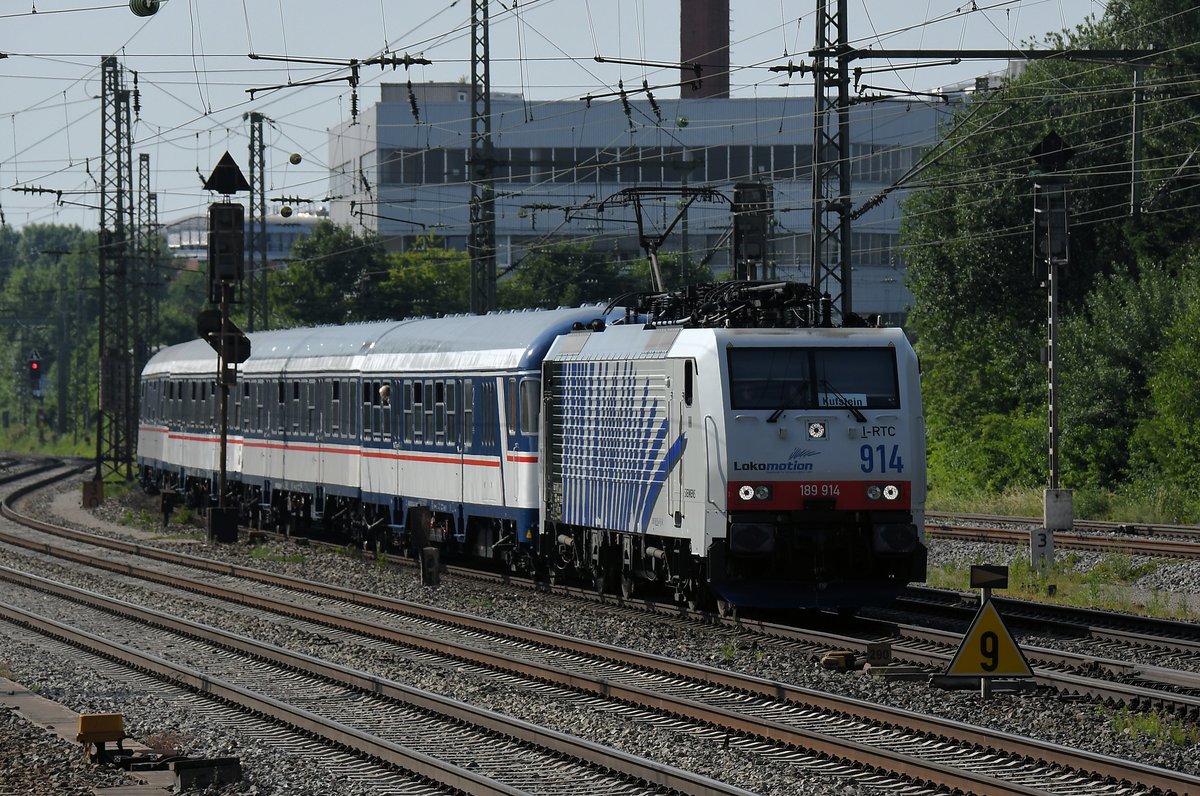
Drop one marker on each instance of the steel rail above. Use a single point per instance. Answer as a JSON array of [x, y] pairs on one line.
[[935, 727], [329, 731], [1104, 526], [835, 748], [1152, 546], [596, 755]]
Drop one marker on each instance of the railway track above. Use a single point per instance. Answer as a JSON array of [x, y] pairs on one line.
[[905, 731], [447, 742], [1168, 541], [1096, 526]]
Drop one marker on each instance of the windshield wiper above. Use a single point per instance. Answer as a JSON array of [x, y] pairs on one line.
[[774, 418], [859, 416]]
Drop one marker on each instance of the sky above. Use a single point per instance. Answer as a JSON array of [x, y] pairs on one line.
[[194, 73]]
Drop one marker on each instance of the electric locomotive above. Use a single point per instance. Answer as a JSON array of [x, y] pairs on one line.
[[725, 443], [720, 444]]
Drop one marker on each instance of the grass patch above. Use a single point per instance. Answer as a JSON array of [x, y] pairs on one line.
[[269, 554], [479, 602], [1104, 586], [1155, 506], [1155, 728], [5, 670], [19, 438]]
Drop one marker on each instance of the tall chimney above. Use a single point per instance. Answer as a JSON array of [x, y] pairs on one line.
[[704, 41]]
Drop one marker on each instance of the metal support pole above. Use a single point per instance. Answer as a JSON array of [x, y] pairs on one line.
[[985, 683], [1051, 217], [482, 241], [1135, 145]]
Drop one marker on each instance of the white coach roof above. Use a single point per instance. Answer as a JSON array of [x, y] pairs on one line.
[[502, 340]]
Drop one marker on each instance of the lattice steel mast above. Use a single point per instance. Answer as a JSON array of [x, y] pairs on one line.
[[256, 289], [831, 162], [144, 295], [114, 419], [482, 240]]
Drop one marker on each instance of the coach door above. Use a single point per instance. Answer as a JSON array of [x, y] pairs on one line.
[[683, 397]]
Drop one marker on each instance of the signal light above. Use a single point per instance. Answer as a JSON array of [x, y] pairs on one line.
[[35, 375]]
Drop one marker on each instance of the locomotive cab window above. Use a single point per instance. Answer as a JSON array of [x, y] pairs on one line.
[[813, 378]]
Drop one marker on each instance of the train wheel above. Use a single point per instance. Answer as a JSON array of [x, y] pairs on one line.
[[726, 609], [628, 586]]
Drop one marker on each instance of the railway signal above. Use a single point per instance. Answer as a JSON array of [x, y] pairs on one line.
[[35, 375], [226, 271]]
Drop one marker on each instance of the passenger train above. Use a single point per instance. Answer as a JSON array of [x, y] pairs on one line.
[[724, 443]]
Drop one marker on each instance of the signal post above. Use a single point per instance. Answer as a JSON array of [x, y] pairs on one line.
[[226, 274]]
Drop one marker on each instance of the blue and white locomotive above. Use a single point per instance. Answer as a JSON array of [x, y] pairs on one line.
[[721, 443]]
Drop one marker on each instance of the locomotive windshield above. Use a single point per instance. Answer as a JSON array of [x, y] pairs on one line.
[[813, 378]]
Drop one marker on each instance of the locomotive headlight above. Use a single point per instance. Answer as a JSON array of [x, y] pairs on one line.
[[746, 492], [874, 491], [891, 492], [762, 492], [816, 430]]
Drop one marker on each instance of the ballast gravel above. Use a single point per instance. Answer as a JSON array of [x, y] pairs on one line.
[[1068, 723]]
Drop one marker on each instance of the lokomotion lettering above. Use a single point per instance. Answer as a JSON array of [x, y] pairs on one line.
[[792, 466]]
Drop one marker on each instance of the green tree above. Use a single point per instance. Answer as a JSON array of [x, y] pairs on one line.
[[980, 302], [334, 276], [676, 272], [429, 279], [1165, 451], [563, 274], [1107, 349], [48, 299]]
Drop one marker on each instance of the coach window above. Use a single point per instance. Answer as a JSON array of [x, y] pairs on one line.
[[310, 397], [531, 393], [510, 405], [333, 408], [468, 412], [384, 396], [406, 411], [281, 407], [294, 407], [309, 404], [451, 413], [489, 406], [439, 412], [429, 406], [368, 391], [418, 409]]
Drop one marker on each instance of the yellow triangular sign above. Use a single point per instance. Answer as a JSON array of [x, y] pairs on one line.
[[988, 649]]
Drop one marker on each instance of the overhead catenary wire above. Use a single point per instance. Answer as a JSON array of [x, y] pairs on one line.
[[234, 131]]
